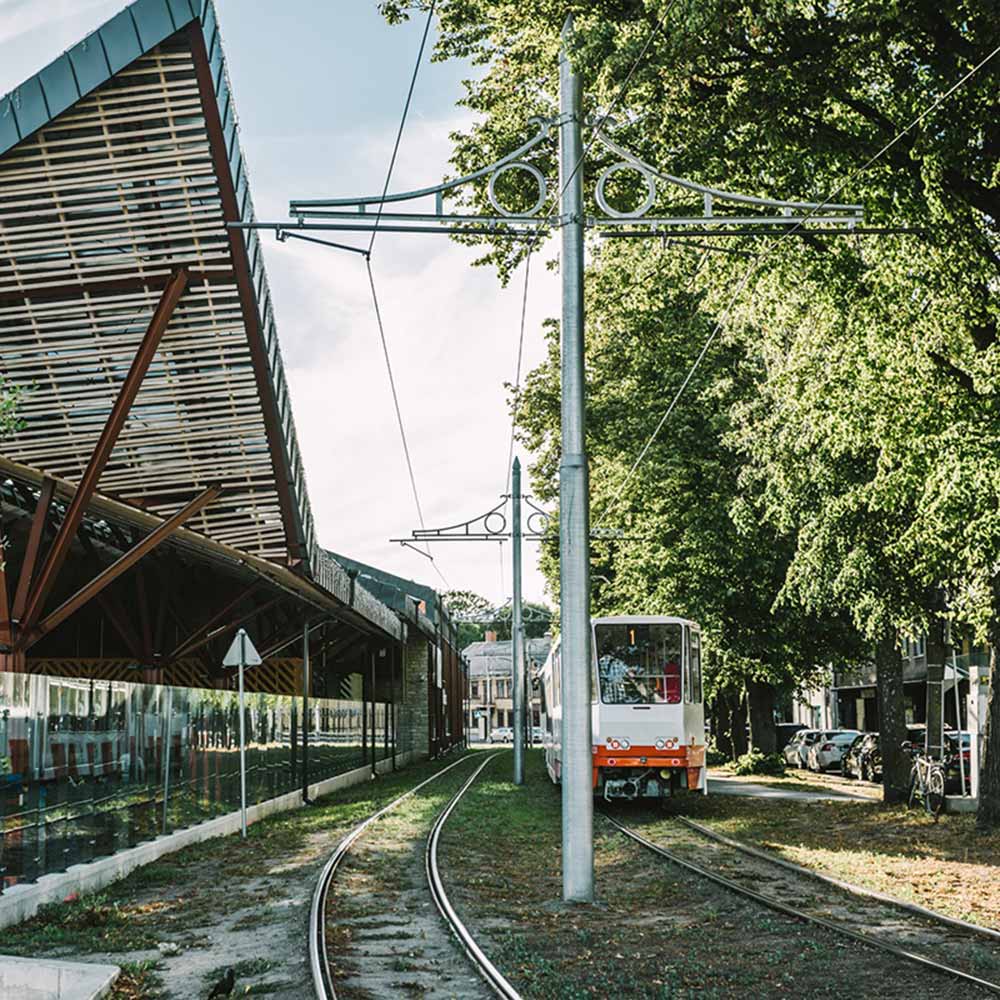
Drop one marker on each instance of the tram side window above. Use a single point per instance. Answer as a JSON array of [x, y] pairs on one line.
[[695, 666], [556, 680]]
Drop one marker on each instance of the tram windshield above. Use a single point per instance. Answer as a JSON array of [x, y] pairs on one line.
[[639, 664]]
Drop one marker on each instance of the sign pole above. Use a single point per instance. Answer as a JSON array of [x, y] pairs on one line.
[[242, 654], [517, 638], [574, 508], [243, 739]]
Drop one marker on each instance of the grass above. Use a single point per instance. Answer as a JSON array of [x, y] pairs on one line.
[[656, 932], [946, 866]]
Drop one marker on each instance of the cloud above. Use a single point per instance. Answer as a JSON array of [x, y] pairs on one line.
[[452, 336], [42, 31]]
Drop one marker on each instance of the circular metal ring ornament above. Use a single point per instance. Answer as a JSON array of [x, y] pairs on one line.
[[537, 523], [495, 530], [539, 180], [613, 212]]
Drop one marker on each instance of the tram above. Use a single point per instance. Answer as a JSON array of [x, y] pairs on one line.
[[647, 713]]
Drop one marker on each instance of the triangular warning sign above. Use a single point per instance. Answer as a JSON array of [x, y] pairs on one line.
[[242, 651]]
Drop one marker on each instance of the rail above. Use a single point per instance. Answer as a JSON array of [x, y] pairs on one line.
[[791, 911]]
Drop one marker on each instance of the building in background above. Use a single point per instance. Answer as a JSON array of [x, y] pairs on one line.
[[491, 682]]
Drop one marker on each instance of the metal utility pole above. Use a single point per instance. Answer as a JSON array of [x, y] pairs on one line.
[[720, 214], [517, 639], [306, 686], [242, 654], [574, 508]]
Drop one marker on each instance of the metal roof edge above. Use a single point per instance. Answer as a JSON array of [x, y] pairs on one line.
[[95, 59]]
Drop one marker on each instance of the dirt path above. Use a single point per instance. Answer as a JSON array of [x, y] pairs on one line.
[[177, 925]]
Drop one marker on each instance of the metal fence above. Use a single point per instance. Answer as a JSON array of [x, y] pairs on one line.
[[88, 768]]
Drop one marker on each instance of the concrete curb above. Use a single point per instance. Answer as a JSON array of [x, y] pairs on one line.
[[22, 901], [49, 979]]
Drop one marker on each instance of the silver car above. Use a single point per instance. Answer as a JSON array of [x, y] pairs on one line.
[[828, 752], [798, 747]]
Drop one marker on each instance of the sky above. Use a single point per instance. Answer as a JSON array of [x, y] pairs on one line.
[[320, 88]]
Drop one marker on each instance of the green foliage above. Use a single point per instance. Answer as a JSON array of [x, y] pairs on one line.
[[466, 602], [10, 398], [714, 757], [755, 762]]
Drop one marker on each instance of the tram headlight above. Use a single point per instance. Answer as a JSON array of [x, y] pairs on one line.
[[660, 744], [625, 744]]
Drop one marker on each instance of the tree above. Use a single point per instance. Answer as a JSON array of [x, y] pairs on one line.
[[871, 446], [693, 545], [467, 603]]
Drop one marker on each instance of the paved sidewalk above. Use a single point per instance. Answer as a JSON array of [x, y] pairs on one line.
[[737, 786]]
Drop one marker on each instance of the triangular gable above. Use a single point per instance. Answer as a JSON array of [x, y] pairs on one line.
[[119, 163]]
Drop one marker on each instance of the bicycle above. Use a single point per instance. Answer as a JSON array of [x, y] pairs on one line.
[[926, 781]]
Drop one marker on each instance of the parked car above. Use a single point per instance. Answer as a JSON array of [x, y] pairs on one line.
[[871, 759], [852, 765], [784, 732], [825, 754], [797, 751], [502, 734], [537, 735], [793, 748]]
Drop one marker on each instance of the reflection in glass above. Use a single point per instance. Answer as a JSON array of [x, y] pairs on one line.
[[90, 767]]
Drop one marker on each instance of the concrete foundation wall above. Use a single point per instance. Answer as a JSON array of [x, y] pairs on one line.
[[23, 900]]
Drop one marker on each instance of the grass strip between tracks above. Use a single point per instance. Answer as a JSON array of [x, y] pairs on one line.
[[946, 866], [655, 932]]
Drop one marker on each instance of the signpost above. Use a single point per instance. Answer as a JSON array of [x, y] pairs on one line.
[[242, 654]]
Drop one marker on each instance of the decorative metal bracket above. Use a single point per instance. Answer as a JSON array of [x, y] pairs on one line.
[[503, 613], [756, 214], [489, 527]]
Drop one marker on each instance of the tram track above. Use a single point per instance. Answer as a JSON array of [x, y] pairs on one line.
[[924, 928], [319, 956]]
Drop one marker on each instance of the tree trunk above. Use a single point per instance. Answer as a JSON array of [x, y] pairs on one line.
[[988, 811], [762, 733], [892, 720], [729, 714], [738, 725]]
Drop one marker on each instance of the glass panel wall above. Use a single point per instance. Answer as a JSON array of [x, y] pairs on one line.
[[88, 768]]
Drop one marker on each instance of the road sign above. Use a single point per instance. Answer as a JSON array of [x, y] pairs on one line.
[[242, 652]]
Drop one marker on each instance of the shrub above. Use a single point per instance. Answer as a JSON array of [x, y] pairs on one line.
[[714, 757], [755, 762]]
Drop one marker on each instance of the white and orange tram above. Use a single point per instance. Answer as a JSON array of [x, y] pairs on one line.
[[647, 713]]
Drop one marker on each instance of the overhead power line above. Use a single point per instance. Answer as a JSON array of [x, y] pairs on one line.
[[371, 282], [756, 263]]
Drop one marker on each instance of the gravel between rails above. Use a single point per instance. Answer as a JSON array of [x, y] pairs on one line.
[[385, 937]]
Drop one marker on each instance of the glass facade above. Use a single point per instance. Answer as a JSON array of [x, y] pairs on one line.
[[90, 767]]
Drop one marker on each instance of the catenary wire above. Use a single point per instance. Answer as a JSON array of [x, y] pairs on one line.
[[371, 282], [402, 121], [761, 258], [399, 415]]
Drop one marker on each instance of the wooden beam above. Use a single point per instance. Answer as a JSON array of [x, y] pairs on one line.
[[105, 444], [208, 632], [119, 619], [283, 474], [119, 566], [31, 551]]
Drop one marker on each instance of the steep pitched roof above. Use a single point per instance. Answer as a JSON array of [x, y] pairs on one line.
[[119, 163]]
